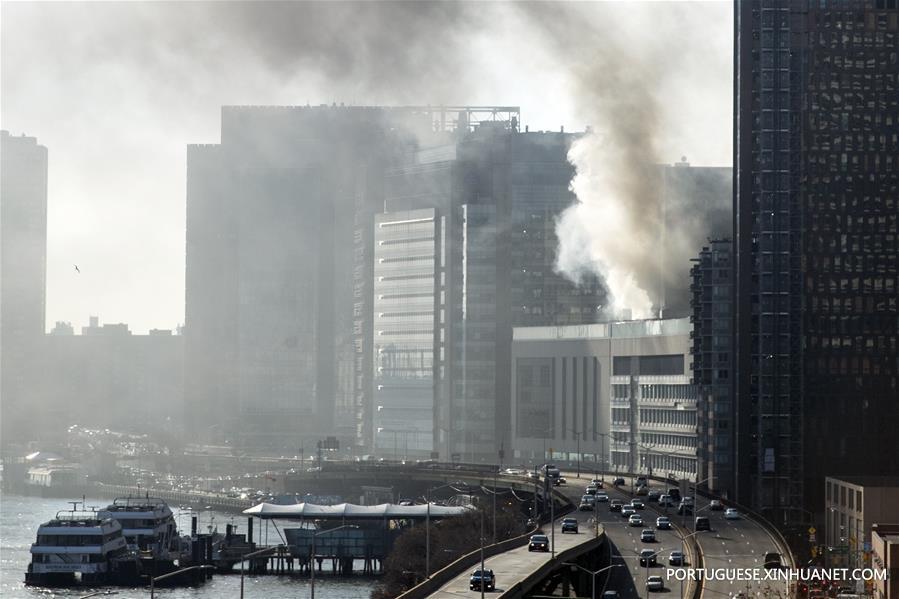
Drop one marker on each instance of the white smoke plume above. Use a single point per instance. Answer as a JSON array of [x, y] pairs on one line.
[[633, 86], [613, 228], [597, 235]]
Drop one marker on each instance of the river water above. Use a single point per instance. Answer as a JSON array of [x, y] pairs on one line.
[[21, 516]]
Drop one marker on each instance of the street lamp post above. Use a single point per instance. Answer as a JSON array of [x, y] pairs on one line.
[[153, 579], [577, 438], [494, 506], [428, 529], [604, 465], [482, 554], [543, 433], [312, 557], [592, 574], [661, 549], [695, 511], [683, 547], [695, 486], [250, 555], [552, 522]]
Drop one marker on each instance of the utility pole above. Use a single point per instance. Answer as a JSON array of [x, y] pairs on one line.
[[482, 555], [552, 522], [577, 437], [494, 507]]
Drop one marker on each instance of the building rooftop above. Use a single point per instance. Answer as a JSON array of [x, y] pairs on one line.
[[625, 329], [888, 532], [868, 481]]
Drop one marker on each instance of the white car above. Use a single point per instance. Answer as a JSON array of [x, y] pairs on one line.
[[663, 523], [655, 583], [715, 505], [666, 501], [731, 514]]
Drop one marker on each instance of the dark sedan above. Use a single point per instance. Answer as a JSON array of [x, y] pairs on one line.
[[539, 543]]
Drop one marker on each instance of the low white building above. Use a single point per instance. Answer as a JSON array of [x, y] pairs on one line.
[[614, 396]]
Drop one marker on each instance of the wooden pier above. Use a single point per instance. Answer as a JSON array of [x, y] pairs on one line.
[[283, 562]]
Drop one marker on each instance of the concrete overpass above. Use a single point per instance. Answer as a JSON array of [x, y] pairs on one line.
[[520, 572], [730, 544]]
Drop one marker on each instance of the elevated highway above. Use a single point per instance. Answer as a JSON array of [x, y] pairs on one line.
[[730, 544], [519, 571], [629, 578]]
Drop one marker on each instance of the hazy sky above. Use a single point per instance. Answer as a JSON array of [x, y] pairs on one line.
[[117, 90]]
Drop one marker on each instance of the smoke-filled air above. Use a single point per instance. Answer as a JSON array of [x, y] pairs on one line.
[[639, 74], [629, 85]]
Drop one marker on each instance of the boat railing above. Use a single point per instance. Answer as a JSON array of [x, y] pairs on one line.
[[133, 503], [79, 516]]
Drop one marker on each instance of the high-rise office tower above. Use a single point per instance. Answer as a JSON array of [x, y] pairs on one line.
[[712, 353], [471, 221], [23, 218], [816, 181]]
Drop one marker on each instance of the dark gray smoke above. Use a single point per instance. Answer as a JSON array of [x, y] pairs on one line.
[[619, 228], [380, 48], [140, 80]]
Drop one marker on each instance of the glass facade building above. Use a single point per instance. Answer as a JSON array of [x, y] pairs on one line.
[[408, 320], [816, 181], [495, 193]]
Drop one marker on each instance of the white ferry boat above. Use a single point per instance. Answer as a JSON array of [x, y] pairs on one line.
[[76, 546], [148, 526]]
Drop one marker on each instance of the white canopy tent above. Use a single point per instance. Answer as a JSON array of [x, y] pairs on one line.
[[349, 511]]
